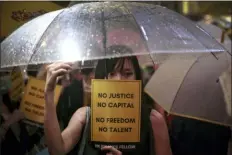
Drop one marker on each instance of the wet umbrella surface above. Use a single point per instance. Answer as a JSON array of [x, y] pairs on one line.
[[83, 31]]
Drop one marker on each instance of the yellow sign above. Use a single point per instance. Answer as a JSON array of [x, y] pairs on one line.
[[17, 84], [33, 103], [14, 14], [115, 111]]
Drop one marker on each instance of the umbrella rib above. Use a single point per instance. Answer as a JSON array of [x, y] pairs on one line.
[[203, 44], [104, 37], [42, 37], [215, 40], [88, 34], [141, 32]]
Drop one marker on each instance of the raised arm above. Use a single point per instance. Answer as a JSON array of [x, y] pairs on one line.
[[60, 143]]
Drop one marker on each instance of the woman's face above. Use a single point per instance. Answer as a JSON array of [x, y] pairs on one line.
[[126, 72]]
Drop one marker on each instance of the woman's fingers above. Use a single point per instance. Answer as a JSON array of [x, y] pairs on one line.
[[113, 151], [53, 72], [54, 67], [57, 64], [66, 66], [59, 72]]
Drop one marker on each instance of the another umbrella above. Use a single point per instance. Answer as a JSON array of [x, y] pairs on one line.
[[80, 33], [192, 88]]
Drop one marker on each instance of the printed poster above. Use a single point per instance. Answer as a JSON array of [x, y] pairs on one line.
[[115, 113]]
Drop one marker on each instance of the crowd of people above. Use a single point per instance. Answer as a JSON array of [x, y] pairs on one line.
[[161, 134]]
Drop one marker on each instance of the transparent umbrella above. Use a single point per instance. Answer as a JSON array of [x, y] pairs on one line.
[[217, 33], [81, 32]]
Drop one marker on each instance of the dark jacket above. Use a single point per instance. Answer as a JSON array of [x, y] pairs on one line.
[[26, 142], [193, 137]]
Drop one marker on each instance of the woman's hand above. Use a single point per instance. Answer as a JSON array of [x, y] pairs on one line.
[[54, 71], [112, 150], [160, 133]]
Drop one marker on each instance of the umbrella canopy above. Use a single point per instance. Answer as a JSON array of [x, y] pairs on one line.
[[192, 88], [216, 32], [81, 32]]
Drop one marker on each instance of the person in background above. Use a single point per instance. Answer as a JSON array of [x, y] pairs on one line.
[[13, 129], [32, 135]]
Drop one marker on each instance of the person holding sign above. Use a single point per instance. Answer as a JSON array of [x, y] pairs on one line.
[[154, 133]]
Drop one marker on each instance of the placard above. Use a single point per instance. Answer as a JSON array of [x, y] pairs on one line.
[[115, 111], [17, 84], [33, 103]]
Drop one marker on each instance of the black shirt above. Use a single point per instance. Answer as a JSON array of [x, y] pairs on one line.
[[193, 137]]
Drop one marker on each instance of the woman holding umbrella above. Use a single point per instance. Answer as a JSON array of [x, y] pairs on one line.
[[126, 68]]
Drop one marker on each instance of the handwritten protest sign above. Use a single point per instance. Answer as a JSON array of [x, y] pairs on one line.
[[33, 103], [115, 111], [17, 84]]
